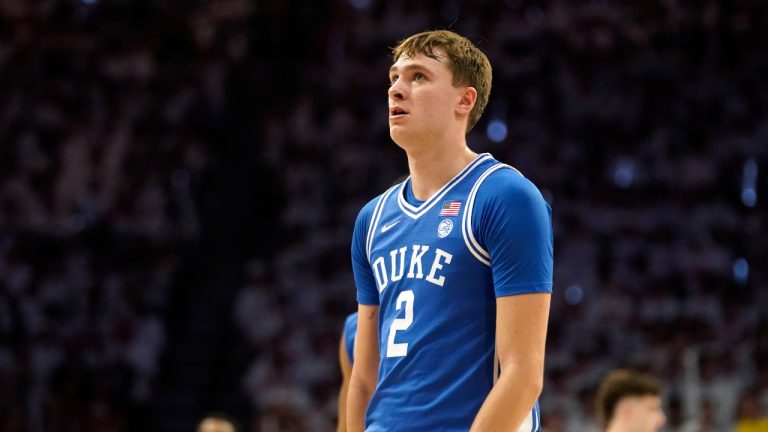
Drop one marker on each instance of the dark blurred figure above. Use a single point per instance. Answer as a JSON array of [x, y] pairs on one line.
[[752, 415]]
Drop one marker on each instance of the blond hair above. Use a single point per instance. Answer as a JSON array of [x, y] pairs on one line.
[[469, 65]]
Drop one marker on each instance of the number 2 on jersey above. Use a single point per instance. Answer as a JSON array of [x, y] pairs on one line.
[[400, 349]]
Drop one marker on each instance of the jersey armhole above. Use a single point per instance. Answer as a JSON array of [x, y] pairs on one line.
[[375, 217], [470, 239]]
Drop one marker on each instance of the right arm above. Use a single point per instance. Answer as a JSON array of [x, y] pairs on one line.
[[365, 369]]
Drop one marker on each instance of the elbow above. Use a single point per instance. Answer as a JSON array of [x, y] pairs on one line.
[[362, 383], [528, 379], [537, 378], [537, 384], [532, 387], [360, 388]]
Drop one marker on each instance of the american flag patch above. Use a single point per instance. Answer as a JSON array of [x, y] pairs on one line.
[[450, 208]]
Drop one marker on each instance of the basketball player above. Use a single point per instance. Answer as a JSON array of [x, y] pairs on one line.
[[346, 359], [630, 402], [453, 266]]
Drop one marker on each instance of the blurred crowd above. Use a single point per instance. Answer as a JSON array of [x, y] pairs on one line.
[[645, 125], [98, 152]]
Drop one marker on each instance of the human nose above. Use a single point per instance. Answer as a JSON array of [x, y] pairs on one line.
[[396, 90]]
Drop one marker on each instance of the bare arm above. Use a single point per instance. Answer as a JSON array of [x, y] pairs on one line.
[[346, 372], [365, 369], [521, 331]]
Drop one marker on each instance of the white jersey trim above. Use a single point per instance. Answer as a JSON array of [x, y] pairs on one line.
[[375, 217], [473, 245], [416, 212], [527, 425]]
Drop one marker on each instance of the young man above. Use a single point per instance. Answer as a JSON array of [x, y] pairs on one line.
[[630, 402], [453, 266]]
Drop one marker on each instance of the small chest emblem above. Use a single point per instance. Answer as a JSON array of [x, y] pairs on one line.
[[389, 226], [445, 228]]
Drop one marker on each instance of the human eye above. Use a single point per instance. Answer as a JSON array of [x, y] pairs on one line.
[[392, 79], [419, 76]]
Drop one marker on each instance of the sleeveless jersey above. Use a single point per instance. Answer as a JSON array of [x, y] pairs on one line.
[[435, 268]]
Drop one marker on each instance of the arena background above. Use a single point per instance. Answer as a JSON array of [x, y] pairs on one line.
[[179, 181]]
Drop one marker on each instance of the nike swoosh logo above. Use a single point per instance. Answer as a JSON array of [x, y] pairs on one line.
[[387, 227]]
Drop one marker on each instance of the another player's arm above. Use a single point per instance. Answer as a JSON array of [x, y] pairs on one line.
[[366, 367], [521, 331], [346, 372]]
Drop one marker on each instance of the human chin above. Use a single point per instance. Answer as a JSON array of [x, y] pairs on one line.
[[396, 132], [400, 135]]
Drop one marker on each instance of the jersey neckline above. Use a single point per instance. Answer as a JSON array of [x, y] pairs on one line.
[[416, 212]]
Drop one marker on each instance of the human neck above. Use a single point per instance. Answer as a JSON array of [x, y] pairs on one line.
[[432, 168]]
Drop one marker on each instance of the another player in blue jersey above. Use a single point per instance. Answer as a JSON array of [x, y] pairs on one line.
[[346, 359], [453, 266]]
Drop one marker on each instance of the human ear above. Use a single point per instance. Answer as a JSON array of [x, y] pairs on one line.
[[467, 100]]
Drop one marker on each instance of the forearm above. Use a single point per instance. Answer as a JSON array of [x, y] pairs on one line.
[[510, 401], [358, 397], [365, 370]]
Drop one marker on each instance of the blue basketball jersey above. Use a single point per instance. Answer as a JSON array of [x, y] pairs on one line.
[[350, 329], [435, 268]]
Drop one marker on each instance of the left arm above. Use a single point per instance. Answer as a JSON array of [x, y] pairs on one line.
[[521, 323], [514, 224]]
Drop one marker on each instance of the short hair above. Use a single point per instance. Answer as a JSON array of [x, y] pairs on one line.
[[219, 416], [469, 65], [620, 384]]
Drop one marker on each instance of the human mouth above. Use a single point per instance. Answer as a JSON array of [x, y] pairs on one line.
[[397, 112]]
